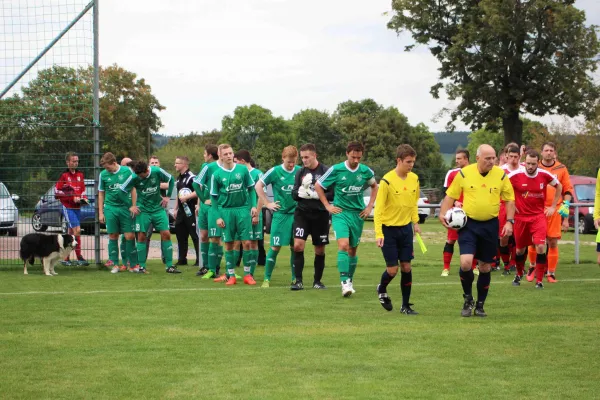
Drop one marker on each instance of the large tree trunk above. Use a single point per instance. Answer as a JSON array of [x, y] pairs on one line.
[[513, 128]]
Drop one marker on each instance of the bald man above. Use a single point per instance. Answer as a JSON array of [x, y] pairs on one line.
[[483, 185]]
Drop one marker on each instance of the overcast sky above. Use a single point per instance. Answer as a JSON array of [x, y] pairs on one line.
[[203, 58]]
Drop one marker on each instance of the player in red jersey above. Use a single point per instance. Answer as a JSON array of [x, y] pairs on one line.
[[506, 244], [530, 219], [70, 190], [462, 160]]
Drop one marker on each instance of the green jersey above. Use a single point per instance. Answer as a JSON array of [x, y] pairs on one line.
[[148, 189], [255, 174], [203, 179], [110, 183], [282, 182], [232, 188], [349, 185]]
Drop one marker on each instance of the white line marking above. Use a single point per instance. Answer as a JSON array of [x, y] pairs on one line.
[[91, 292]]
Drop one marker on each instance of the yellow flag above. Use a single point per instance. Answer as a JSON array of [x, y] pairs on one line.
[[421, 243]]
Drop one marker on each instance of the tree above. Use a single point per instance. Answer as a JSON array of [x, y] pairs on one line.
[[381, 130], [57, 106], [255, 129], [190, 145], [317, 127], [502, 58]]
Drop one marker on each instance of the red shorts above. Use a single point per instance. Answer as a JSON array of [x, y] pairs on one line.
[[501, 218], [530, 230], [452, 234]]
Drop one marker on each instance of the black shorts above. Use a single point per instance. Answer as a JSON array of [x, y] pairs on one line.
[[479, 238], [598, 247], [397, 244], [315, 224]]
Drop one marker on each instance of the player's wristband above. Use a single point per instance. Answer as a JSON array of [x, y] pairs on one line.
[[512, 221]]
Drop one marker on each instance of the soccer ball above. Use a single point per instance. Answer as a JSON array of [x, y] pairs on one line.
[[456, 218], [183, 192]]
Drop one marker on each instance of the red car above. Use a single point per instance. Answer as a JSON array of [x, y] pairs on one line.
[[584, 192]]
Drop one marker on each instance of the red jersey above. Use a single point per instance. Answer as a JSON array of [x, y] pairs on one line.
[[530, 191], [70, 185], [449, 178]]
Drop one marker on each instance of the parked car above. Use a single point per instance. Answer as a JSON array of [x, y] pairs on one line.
[[423, 212], [9, 214], [584, 192], [48, 211]]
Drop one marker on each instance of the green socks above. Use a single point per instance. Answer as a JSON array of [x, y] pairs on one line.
[[212, 257], [343, 264], [353, 261], [292, 264], [167, 249], [204, 248], [141, 251], [253, 261], [131, 252], [229, 263], [123, 250], [270, 264], [113, 251], [247, 261]]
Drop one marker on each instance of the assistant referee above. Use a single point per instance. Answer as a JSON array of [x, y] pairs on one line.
[[483, 185]]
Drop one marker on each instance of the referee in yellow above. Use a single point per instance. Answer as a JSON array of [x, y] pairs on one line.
[[483, 185], [396, 218]]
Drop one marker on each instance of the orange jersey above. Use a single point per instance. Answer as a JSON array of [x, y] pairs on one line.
[[560, 171]]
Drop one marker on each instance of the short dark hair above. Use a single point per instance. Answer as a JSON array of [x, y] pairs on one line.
[[308, 147], [69, 155], [465, 152], [153, 156], [243, 155], [252, 164], [355, 146], [551, 144], [140, 167], [405, 150], [512, 149], [212, 150], [533, 154]]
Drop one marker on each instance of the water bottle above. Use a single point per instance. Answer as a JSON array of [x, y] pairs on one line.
[[187, 210]]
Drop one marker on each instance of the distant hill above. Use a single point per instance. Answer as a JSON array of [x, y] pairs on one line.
[[450, 141], [160, 140]]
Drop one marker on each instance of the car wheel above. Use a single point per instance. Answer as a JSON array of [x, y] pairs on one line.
[[89, 229], [583, 225], [36, 223], [422, 218], [12, 232]]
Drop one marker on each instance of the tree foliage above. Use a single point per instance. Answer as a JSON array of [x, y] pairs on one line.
[[501, 58]]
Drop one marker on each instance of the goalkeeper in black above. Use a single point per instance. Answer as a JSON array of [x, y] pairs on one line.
[[311, 217]]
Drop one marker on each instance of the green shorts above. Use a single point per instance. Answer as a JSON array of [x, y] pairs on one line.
[[118, 220], [158, 219], [281, 229], [203, 217], [214, 230], [238, 224], [348, 225]]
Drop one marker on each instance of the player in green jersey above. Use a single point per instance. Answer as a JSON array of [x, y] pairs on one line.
[[148, 208], [281, 178], [244, 158], [350, 179], [203, 207], [231, 185], [208, 215], [113, 206]]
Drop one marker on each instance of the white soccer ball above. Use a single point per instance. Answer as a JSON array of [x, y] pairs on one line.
[[184, 192], [456, 218]]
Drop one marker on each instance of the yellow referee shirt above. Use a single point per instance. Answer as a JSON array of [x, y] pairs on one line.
[[396, 202], [482, 193]]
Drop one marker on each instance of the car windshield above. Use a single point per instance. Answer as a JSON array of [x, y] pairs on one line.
[[3, 192], [585, 193]]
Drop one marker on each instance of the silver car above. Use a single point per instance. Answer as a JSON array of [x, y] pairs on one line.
[[9, 214]]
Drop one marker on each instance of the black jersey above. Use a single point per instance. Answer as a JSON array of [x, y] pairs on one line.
[[311, 204]]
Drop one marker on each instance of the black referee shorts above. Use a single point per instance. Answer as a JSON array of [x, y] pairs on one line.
[[315, 224], [479, 238], [397, 244]]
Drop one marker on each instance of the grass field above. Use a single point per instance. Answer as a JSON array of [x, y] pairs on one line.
[[91, 334]]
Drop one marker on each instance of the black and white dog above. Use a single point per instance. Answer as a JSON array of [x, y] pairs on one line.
[[48, 248]]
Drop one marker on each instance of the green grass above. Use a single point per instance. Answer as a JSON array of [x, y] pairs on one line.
[[91, 334]]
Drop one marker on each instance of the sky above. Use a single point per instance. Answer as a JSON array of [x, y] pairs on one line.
[[203, 58]]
